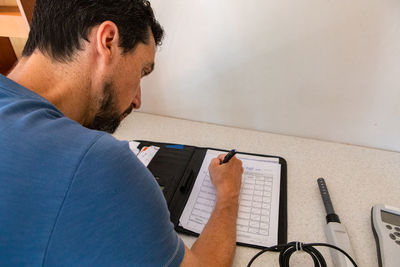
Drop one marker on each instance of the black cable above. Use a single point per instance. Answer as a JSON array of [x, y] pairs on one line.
[[285, 251]]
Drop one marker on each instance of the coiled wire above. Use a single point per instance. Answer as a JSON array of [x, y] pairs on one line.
[[285, 251]]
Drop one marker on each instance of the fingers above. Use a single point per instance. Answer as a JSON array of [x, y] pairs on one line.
[[214, 163], [217, 161]]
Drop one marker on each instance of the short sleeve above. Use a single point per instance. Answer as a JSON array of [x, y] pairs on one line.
[[114, 214]]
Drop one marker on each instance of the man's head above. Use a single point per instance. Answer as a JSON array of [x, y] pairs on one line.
[[117, 37]]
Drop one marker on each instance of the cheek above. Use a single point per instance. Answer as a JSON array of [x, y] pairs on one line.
[[129, 84], [130, 91], [134, 89]]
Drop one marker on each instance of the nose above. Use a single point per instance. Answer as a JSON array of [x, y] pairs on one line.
[[137, 101]]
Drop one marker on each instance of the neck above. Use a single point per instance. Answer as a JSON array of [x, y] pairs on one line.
[[59, 83]]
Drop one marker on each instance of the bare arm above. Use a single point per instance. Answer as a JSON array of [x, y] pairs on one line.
[[216, 244]]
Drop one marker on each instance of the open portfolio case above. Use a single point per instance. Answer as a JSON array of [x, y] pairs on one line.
[[176, 167]]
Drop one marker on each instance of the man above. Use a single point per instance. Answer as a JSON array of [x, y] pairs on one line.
[[71, 194]]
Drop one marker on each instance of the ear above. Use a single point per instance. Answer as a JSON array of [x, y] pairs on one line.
[[107, 40]]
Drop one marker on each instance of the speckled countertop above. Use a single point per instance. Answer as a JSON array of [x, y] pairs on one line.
[[356, 177]]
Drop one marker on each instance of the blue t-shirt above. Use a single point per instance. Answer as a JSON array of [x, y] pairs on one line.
[[70, 196]]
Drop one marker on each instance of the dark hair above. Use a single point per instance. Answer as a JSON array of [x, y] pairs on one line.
[[58, 26]]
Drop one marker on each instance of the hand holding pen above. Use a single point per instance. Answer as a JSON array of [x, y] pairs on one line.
[[226, 175], [229, 156]]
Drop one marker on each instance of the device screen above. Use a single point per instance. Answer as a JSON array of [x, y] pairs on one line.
[[391, 218]]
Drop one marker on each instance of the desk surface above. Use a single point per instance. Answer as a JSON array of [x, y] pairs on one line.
[[357, 178]]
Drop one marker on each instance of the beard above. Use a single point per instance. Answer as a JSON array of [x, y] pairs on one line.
[[107, 118]]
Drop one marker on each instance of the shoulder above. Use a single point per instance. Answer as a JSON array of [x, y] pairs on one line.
[[107, 157], [114, 201]]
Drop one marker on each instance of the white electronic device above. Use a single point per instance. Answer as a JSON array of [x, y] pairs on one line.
[[386, 227], [335, 231]]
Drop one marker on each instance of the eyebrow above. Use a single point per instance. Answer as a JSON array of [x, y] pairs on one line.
[[151, 66]]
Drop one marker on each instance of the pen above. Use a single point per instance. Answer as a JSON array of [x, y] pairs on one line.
[[229, 156]]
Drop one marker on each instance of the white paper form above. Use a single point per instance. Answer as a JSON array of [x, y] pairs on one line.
[[147, 154], [133, 145], [257, 222]]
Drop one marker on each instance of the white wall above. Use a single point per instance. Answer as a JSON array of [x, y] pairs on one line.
[[325, 69]]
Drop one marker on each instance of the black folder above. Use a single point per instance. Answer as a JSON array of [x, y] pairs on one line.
[[175, 168]]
